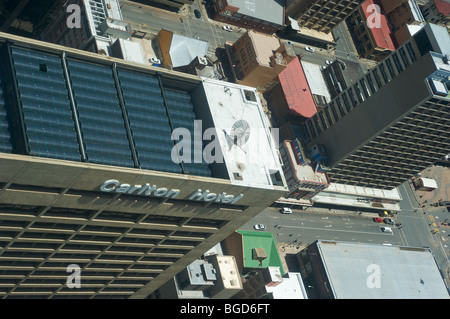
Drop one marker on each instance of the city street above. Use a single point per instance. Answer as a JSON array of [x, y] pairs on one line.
[[151, 19], [417, 217], [306, 226]]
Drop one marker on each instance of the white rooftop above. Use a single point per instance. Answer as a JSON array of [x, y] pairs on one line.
[[374, 271], [183, 50], [392, 194], [267, 10], [243, 131], [315, 79], [291, 288]]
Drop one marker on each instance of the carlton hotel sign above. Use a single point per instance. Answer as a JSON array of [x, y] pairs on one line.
[[114, 185]]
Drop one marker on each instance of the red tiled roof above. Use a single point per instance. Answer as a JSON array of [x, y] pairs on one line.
[[296, 90], [383, 36], [443, 6]]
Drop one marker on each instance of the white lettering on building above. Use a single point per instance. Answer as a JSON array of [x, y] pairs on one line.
[[113, 185]]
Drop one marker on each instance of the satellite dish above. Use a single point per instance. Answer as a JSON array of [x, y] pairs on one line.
[[240, 132]]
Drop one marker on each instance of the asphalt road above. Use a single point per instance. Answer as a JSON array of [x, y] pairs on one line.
[[153, 19], [307, 226]]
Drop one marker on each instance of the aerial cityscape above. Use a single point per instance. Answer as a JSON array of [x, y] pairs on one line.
[[205, 150]]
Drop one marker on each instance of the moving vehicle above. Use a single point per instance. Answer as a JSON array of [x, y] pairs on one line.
[[328, 62], [155, 60], [309, 49], [377, 220], [389, 221], [227, 28], [259, 227], [386, 229], [286, 210]]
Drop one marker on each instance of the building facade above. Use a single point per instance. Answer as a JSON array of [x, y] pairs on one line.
[[170, 4], [27, 18], [257, 59], [437, 11], [91, 177], [322, 15], [370, 271], [371, 43], [398, 21], [303, 179], [394, 121], [265, 16], [100, 24], [291, 99]]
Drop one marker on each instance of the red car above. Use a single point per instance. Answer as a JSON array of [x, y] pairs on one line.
[[377, 220]]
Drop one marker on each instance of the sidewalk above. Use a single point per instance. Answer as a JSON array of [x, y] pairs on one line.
[[442, 176]]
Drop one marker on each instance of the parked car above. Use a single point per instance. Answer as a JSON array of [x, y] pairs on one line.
[[259, 227], [389, 221], [197, 14], [328, 62], [227, 28], [386, 229], [377, 220], [286, 210], [155, 60], [309, 49]]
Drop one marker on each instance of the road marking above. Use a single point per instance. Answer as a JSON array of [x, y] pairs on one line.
[[340, 230]]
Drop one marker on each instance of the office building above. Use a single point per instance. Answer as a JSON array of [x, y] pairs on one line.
[[346, 270], [323, 15], [178, 51], [98, 170], [212, 277], [265, 16], [304, 179], [371, 43], [393, 122], [99, 24], [291, 99], [398, 21], [257, 59], [27, 18], [168, 4], [437, 11]]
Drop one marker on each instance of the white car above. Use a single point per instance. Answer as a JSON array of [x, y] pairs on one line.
[[286, 210], [309, 49], [259, 227], [155, 60], [386, 229], [328, 62], [227, 28]]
